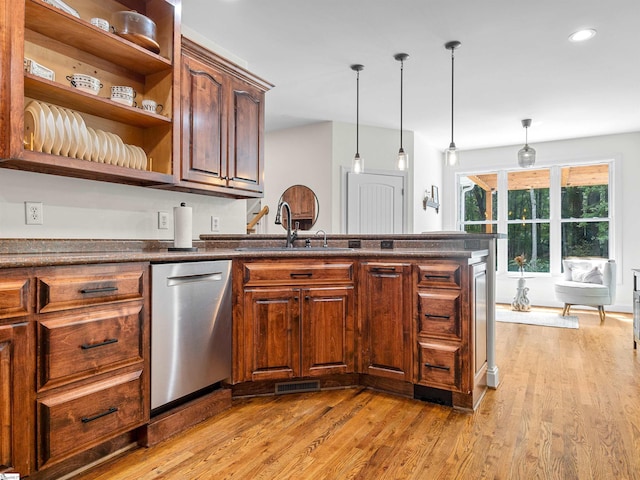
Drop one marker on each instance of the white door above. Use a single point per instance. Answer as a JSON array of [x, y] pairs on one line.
[[375, 203]]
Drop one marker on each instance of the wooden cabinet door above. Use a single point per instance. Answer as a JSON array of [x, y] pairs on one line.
[[385, 300], [246, 137], [16, 398], [272, 333], [204, 123], [327, 331]]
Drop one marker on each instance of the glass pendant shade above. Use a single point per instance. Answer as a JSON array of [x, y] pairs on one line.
[[526, 156], [451, 155], [403, 160], [357, 166]]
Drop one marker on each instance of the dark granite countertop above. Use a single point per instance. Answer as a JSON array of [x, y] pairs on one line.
[[46, 252]]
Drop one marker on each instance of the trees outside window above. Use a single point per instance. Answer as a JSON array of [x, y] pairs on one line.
[[582, 219]]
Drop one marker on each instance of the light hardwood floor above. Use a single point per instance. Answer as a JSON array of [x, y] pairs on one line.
[[568, 407]]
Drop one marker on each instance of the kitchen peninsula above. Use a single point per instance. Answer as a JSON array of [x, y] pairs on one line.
[[407, 314]]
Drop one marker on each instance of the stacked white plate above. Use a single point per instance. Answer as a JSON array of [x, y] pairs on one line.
[[60, 131]]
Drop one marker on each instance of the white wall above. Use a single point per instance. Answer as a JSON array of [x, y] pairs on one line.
[[624, 149], [295, 156], [76, 208], [427, 171], [315, 155]]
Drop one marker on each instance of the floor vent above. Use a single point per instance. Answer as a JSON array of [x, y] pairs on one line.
[[295, 387]]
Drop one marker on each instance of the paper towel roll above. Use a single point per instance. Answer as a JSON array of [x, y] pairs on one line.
[[182, 226]]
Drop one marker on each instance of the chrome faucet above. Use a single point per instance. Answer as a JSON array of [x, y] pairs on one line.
[[325, 237], [291, 235]]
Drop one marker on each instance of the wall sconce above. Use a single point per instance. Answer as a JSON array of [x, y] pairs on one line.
[[431, 199]]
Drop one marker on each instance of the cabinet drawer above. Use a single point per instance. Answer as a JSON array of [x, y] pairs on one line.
[[78, 419], [312, 272], [85, 343], [439, 275], [439, 314], [439, 366], [73, 287], [14, 297]]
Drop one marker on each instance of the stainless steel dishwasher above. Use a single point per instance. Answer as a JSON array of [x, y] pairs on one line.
[[190, 329]]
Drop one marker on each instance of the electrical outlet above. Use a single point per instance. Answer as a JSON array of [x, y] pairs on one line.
[[33, 213], [215, 224], [163, 220]]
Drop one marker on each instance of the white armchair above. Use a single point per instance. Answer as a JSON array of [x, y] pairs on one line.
[[587, 281]]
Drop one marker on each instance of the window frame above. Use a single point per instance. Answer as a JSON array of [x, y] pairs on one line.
[[555, 212]]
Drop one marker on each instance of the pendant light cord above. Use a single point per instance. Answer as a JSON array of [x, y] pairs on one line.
[[357, 112], [452, 76], [401, 83]]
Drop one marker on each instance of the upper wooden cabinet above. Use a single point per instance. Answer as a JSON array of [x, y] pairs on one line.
[[70, 45], [222, 125]]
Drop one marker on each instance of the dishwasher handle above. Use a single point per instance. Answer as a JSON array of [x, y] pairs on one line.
[[202, 277]]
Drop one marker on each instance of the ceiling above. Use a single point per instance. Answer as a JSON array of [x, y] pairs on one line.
[[515, 62]]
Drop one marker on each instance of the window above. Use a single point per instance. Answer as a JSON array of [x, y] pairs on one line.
[[585, 211], [548, 213], [528, 218]]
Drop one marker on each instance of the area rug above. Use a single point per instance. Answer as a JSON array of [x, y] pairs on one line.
[[542, 318]]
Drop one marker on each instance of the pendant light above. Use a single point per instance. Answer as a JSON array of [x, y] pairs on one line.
[[451, 153], [526, 155], [357, 166], [403, 158]]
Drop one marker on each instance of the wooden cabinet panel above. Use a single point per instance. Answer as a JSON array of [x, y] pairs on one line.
[[439, 314], [204, 123], [14, 297], [440, 366], [386, 319], [439, 275], [246, 138], [286, 273], [73, 287], [16, 398], [77, 345], [327, 331], [272, 335], [74, 420]]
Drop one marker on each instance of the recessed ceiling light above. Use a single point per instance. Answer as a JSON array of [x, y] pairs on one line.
[[582, 35]]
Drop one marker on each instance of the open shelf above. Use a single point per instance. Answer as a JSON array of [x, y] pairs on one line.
[[76, 32], [70, 97], [73, 167]]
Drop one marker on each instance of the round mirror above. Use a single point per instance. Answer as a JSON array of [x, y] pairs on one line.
[[304, 207]]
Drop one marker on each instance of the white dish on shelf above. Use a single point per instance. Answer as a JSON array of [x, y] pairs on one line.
[[102, 145], [84, 146], [49, 130], [34, 123], [143, 157], [77, 145], [113, 148], [131, 156], [68, 137], [34, 68], [58, 135], [95, 145]]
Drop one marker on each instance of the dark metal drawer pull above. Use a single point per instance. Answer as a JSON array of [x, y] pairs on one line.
[[444, 317], [301, 275], [99, 290], [109, 341], [99, 415], [435, 276], [439, 367], [383, 269]]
